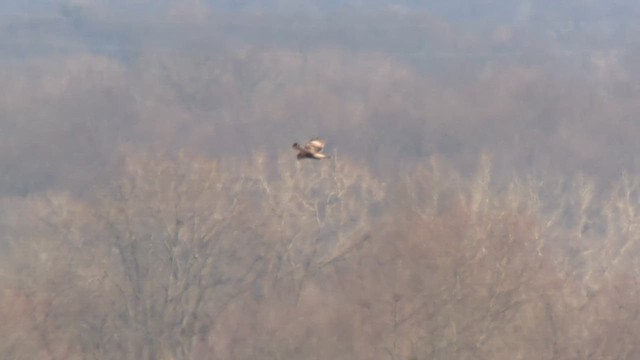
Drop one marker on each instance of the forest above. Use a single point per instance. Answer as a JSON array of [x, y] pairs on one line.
[[482, 199]]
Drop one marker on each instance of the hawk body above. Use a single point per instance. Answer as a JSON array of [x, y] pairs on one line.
[[312, 150]]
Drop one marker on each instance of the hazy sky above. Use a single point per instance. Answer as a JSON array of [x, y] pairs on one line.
[[546, 85]]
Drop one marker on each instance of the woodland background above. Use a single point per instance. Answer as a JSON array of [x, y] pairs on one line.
[[482, 201]]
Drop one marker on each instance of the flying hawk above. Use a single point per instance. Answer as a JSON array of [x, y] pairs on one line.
[[313, 150]]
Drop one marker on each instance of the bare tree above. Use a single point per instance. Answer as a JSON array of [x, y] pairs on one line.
[[49, 282], [314, 218], [458, 273], [181, 252]]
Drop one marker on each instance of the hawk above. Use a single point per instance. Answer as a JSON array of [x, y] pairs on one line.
[[312, 150]]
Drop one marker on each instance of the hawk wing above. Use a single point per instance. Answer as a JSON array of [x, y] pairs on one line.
[[315, 145]]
